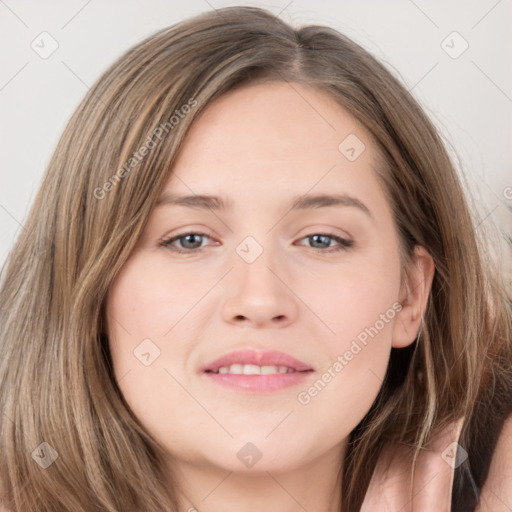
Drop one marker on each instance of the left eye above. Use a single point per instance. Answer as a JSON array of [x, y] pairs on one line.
[[192, 242], [325, 239]]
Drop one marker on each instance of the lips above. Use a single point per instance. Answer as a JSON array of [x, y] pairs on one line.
[[256, 358], [252, 371]]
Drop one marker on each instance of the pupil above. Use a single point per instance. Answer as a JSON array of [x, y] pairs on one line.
[[190, 239], [318, 238]]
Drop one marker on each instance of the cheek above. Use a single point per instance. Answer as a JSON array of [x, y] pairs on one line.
[[150, 313], [357, 302], [360, 306], [146, 300], [358, 354]]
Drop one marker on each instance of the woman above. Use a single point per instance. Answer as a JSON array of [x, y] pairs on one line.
[[336, 341]]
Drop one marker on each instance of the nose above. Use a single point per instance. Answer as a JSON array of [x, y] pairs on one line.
[[259, 294]]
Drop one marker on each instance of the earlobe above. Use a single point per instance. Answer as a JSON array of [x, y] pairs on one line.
[[414, 298]]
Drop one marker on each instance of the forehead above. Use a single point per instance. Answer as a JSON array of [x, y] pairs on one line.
[[272, 138]]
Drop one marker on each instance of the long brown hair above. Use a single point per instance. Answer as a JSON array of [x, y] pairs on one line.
[[56, 380]]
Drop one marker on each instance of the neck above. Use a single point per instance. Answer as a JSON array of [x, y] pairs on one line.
[[315, 486]]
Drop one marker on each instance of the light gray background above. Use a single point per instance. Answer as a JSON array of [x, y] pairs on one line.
[[468, 97]]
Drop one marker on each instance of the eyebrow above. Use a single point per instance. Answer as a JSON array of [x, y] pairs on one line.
[[304, 202]]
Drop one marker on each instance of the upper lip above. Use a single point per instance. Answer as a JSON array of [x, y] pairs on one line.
[[259, 358]]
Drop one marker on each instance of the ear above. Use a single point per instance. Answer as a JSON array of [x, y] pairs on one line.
[[414, 295]]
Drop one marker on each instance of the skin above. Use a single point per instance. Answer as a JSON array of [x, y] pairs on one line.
[[259, 147]]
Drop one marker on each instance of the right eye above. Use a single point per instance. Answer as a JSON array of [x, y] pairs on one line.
[[188, 242]]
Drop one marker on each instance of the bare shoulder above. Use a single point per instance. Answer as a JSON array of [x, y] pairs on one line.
[[496, 493]]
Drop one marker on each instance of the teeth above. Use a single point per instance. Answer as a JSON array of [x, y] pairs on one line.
[[253, 369]]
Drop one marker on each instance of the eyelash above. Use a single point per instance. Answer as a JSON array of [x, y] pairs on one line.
[[343, 243]]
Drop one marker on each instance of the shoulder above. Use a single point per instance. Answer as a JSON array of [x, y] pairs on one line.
[[496, 493]]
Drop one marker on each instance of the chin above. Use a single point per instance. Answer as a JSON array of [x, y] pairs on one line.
[[246, 457]]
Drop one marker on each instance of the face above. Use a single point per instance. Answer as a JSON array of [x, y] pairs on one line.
[[278, 273]]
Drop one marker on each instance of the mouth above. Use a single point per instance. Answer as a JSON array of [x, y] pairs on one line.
[[253, 369], [250, 370]]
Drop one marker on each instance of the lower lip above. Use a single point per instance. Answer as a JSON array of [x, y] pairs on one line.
[[259, 383]]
